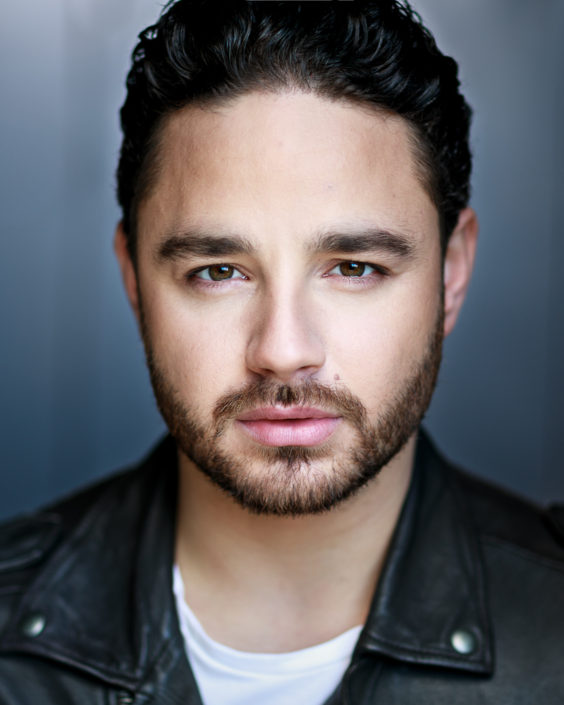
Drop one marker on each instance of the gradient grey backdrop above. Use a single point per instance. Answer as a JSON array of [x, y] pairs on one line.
[[76, 401]]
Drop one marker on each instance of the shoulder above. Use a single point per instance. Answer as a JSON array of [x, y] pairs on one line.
[[508, 520], [27, 541], [67, 576], [496, 515]]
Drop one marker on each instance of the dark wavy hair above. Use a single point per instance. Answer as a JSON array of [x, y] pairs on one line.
[[376, 53]]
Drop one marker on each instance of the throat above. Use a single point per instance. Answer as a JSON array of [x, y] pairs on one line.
[[275, 626]]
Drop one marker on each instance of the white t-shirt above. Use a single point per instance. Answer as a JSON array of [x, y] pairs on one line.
[[226, 676]]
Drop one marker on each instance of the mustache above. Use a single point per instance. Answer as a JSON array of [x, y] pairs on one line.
[[308, 393]]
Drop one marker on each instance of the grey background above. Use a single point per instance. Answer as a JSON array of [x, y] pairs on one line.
[[75, 400]]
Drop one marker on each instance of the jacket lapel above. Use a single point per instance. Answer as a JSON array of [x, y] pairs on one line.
[[104, 596], [431, 605]]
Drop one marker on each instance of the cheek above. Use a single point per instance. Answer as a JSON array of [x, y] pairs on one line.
[[377, 344], [196, 349], [367, 357]]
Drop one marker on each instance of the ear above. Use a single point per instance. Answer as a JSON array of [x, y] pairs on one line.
[[458, 264], [128, 271]]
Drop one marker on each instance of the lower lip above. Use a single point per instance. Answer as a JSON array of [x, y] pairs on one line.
[[291, 432]]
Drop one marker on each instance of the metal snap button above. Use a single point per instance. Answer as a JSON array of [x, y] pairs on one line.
[[33, 624], [463, 642], [125, 699]]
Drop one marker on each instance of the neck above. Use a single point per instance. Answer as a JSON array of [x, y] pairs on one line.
[[280, 577]]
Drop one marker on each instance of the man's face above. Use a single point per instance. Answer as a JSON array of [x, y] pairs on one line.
[[290, 291]]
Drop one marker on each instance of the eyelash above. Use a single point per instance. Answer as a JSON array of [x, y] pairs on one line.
[[359, 279], [191, 276], [352, 280]]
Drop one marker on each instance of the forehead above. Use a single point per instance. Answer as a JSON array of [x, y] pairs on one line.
[[282, 165]]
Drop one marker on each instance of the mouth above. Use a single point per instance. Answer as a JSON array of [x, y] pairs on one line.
[[289, 426]]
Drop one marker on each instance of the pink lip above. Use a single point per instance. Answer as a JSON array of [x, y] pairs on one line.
[[289, 426]]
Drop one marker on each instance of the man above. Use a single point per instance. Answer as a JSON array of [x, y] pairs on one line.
[[296, 241]]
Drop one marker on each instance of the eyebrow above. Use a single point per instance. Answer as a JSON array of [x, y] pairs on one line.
[[202, 244], [369, 240], [205, 244]]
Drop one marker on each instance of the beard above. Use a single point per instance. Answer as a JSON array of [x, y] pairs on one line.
[[298, 480]]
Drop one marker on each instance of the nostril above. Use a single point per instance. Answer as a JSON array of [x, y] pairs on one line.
[[285, 351]]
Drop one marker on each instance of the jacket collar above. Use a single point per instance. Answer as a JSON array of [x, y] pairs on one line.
[[105, 593], [115, 618], [431, 603]]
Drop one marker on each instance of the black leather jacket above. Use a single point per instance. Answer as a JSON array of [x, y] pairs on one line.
[[469, 608]]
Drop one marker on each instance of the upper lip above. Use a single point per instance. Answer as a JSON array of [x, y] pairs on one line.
[[285, 413]]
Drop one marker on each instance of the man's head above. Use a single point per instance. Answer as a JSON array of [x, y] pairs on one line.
[[283, 241]]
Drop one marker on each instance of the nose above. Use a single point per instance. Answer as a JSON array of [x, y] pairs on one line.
[[284, 344]]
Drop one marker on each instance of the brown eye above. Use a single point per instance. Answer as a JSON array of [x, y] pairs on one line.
[[219, 272], [352, 269]]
